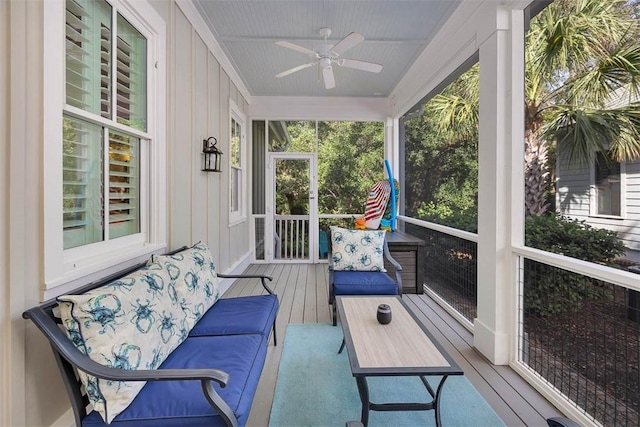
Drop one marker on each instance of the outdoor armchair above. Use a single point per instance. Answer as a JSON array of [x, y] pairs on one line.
[[357, 267]]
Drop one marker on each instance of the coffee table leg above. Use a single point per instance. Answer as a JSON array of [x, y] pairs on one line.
[[363, 389], [342, 346], [436, 400]]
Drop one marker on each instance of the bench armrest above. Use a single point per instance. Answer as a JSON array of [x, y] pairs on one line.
[[262, 278]]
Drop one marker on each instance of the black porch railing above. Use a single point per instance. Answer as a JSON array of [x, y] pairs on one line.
[[582, 336], [450, 268]]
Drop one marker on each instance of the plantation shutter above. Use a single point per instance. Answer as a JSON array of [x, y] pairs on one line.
[[82, 183], [124, 186], [88, 56], [131, 76]]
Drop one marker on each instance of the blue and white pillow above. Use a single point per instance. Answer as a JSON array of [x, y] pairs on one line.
[[357, 250], [132, 323], [194, 279]]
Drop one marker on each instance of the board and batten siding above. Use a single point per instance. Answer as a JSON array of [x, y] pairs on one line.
[[200, 91], [573, 185]]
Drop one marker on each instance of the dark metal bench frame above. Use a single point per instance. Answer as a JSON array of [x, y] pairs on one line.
[[69, 358]]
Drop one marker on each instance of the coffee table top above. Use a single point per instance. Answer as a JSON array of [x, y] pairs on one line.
[[402, 347]]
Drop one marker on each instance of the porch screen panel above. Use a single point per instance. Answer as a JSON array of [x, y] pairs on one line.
[[298, 136], [350, 162], [82, 183]]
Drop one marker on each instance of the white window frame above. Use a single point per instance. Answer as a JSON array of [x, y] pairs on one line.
[[239, 216], [593, 193], [64, 268]]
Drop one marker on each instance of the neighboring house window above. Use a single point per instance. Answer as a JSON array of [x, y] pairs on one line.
[[104, 150], [237, 164], [607, 186]]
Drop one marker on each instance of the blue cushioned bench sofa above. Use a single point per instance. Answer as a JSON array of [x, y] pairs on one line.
[[154, 345]]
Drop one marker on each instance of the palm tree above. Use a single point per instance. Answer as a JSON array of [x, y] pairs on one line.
[[580, 54]]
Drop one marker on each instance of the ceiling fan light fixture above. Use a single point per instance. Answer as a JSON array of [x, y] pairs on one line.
[[325, 62]]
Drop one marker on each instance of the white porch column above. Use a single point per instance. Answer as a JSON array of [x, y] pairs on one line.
[[391, 144], [496, 286]]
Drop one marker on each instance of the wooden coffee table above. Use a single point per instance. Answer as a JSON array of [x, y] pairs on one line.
[[403, 347]]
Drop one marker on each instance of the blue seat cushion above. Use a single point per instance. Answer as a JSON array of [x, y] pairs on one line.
[[242, 315], [182, 403], [363, 283]]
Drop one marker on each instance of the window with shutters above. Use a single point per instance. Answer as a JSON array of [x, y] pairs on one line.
[[608, 176], [237, 168], [105, 114], [105, 165]]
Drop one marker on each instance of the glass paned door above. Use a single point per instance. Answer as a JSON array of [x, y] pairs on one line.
[[293, 207]]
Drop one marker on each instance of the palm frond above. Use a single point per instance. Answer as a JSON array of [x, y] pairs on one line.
[[455, 115], [567, 37], [594, 87], [582, 132]]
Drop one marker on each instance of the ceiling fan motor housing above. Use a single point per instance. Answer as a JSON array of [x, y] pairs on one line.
[[325, 62]]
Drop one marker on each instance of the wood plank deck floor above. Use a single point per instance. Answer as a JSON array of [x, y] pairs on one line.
[[303, 293]]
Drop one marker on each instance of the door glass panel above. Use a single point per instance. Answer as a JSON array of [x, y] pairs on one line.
[[291, 220]]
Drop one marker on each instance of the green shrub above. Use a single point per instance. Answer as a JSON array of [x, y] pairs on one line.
[[549, 290], [577, 239]]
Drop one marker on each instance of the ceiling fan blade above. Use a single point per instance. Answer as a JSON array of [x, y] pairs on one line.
[[329, 79], [372, 67], [294, 69], [349, 41], [295, 47]]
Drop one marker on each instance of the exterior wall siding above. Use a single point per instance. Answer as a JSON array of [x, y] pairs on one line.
[[199, 106]]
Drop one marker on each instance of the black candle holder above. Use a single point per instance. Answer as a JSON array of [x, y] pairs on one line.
[[384, 314]]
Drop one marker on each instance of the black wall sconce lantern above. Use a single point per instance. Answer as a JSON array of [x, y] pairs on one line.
[[212, 155]]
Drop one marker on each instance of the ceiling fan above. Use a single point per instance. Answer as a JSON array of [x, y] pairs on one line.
[[328, 54]]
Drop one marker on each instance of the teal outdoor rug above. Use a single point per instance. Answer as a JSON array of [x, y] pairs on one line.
[[315, 388]]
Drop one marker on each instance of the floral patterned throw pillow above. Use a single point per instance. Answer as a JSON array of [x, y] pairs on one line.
[[357, 250]]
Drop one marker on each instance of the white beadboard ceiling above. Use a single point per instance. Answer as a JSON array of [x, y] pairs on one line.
[[395, 32]]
